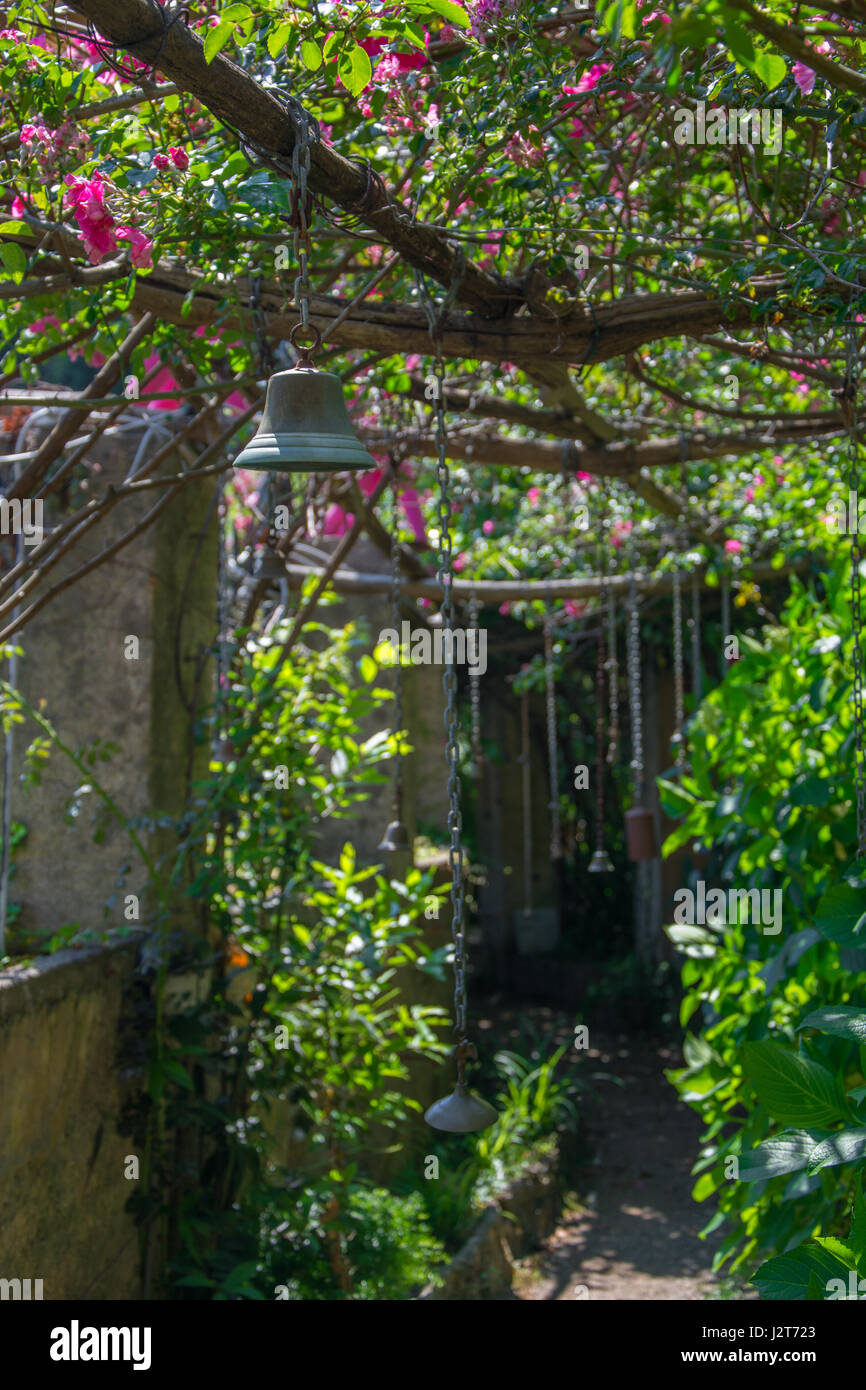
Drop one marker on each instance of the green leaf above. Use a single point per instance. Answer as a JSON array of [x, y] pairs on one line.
[[842, 1020], [771, 69], [368, 668], [354, 70], [14, 227], [848, 1146], [789, 1276], [675, 801], [840, 917], [216, 38], [795, 1090], [783, 1153], [311, 55], [236, 13], [278, 38], [455, 14], [175, 1072], [14, 260]]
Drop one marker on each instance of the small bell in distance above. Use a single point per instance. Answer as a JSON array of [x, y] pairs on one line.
[[463, 1112], [395, 840], [305, 426], [600, 863]]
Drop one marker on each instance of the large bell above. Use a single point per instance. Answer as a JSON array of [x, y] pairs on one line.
[[463, 1112], [305, 427], [395, 839], [640, 834], [600, 863]]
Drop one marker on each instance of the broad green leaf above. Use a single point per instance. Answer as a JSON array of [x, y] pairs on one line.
[[368, 668], [795, 1090], [848, 1146], [354, 70], [842, 1020], [14, 227], [278, 38], [237, 13], [840, 915], [14, 260], [453, 13], [771, 69], [216, 38], [311, 55], [783, 1153], [789, 1276]]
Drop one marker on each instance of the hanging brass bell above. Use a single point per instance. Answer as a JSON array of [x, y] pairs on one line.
[[463, 1112], [600, 863], [640, 834], [305, 427], [395, 839]]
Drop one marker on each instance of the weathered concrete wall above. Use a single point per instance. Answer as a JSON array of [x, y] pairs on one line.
[[160, 589], [62, 1092]]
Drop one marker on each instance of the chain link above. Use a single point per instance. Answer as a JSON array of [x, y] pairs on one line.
[[475, 692], [850, 391], [398, 670], [612, 681], [679, 704], [634, 689], [444, 575], [695, 625], [306, 131], [552, 750]]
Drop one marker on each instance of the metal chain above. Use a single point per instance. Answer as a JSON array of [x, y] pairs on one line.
[[695, 625], [306, 131], [444, 574], [679, 705], [475, 693], [526, 783], [612, 681], [850, 391], [726, 615], [600, 665], [398, 670], [552, 750], [634, 685]]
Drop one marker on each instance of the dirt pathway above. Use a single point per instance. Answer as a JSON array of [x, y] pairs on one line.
[[635, 1235]]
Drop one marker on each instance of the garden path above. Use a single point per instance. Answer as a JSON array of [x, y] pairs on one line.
[[633, 1231]]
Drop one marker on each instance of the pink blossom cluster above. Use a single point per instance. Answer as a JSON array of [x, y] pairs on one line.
[[485, 13], [176, 157], [96, 225], [521, 151]]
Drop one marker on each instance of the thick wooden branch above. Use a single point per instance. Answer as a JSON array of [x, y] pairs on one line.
[[496, 591], [535, 343]]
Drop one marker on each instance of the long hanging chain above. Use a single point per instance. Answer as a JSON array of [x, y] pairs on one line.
[[526, 784], [612, 681], [398, 669], [600, 665], [475, 693], [634, 684], [850, 393], [444, 575], [306, 132], [726, 617], [679, 704], [695, 625], [552, 751]]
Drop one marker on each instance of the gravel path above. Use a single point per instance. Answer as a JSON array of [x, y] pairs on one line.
[[635, 1234]]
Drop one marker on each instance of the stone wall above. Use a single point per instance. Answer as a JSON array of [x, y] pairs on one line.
[[64, 1087]]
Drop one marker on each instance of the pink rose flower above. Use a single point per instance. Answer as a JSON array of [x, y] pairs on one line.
[[804, 78], [161, 161], [488, 528], [733, 547], [140, 247], [179, 157]]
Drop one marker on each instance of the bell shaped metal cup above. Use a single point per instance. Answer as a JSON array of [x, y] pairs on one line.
[[395, 840], [600, 863], [305, 427], [463, 1112]]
